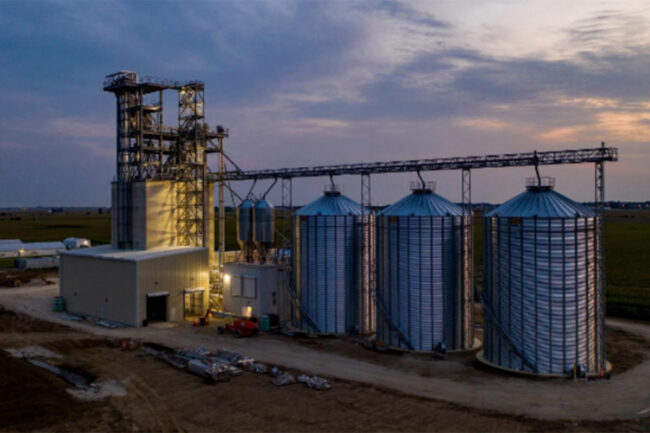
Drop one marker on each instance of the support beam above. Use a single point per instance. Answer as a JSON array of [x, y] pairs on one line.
[[467, 316], [599, 204], [368, 296], [287, 204], [555, 157]]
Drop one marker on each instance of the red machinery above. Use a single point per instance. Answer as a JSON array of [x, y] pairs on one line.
[[205, 320], [240, 328]]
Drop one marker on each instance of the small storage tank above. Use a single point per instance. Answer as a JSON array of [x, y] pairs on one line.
[[326, 272], [245, 227], [423, 273], [541, 296], [263, 227]]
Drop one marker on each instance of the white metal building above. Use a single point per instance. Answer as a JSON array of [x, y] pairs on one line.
[[255, 289], [16, 248], [74, 243], [10, 241], [134, 286]]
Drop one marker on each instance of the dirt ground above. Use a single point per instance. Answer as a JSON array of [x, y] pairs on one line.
[[161, 398], [17, 277]]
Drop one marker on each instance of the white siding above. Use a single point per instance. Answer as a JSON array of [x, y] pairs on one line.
[[99, 287], [174, 274], [116, 288]]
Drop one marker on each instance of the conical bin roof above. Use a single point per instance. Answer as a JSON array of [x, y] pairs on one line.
[[423, 202], [542, 203], [331, 203]]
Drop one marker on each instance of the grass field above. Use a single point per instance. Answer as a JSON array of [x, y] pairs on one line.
[[627, 248], [43, 227], [627, 263]]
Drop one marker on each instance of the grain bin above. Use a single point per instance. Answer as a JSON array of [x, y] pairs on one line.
[[327, 244], [424, 295], [541, 297], [245, 227], [263, 227]]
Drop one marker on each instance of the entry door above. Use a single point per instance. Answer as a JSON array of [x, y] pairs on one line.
[[194, 304], [157, 308]]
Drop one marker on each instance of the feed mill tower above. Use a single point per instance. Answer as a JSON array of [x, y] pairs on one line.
[[162, 213]]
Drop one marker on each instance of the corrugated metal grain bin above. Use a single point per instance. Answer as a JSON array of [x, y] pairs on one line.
[[263, 227], [542, 305], [245, 222], [328, 251], [423, 289]]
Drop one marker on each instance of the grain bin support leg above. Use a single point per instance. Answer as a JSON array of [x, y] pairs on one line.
[[600, 256], [467, 315]]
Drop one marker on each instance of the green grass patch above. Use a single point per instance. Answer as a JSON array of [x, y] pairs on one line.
[[43, 227], [6, 263]]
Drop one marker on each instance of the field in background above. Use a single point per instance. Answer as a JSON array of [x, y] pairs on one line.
[[44, 227], [627, 263], [627, 247]]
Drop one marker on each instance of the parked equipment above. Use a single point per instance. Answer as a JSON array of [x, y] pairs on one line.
[[205, 320], [240, 328]]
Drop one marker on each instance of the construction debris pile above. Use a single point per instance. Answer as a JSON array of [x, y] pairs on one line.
[[85, 387], [224, 364]]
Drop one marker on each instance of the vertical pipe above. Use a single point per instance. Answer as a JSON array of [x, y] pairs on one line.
[[222, 212], [140, 125], [577, 288], [601, 256], [587, 292], [160, 132], [421, 287], [522, 340], [550, 296], [535, 252], [563, 293]]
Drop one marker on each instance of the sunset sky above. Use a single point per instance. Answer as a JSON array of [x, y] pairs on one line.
[[315, 82]]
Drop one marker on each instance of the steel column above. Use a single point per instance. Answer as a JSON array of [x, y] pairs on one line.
[[287, 204], [467, 317], [599, 203], [368, 253]]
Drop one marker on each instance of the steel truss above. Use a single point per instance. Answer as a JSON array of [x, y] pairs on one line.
[[599, 204], [147, 149], [554, 157], [598, 156]]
